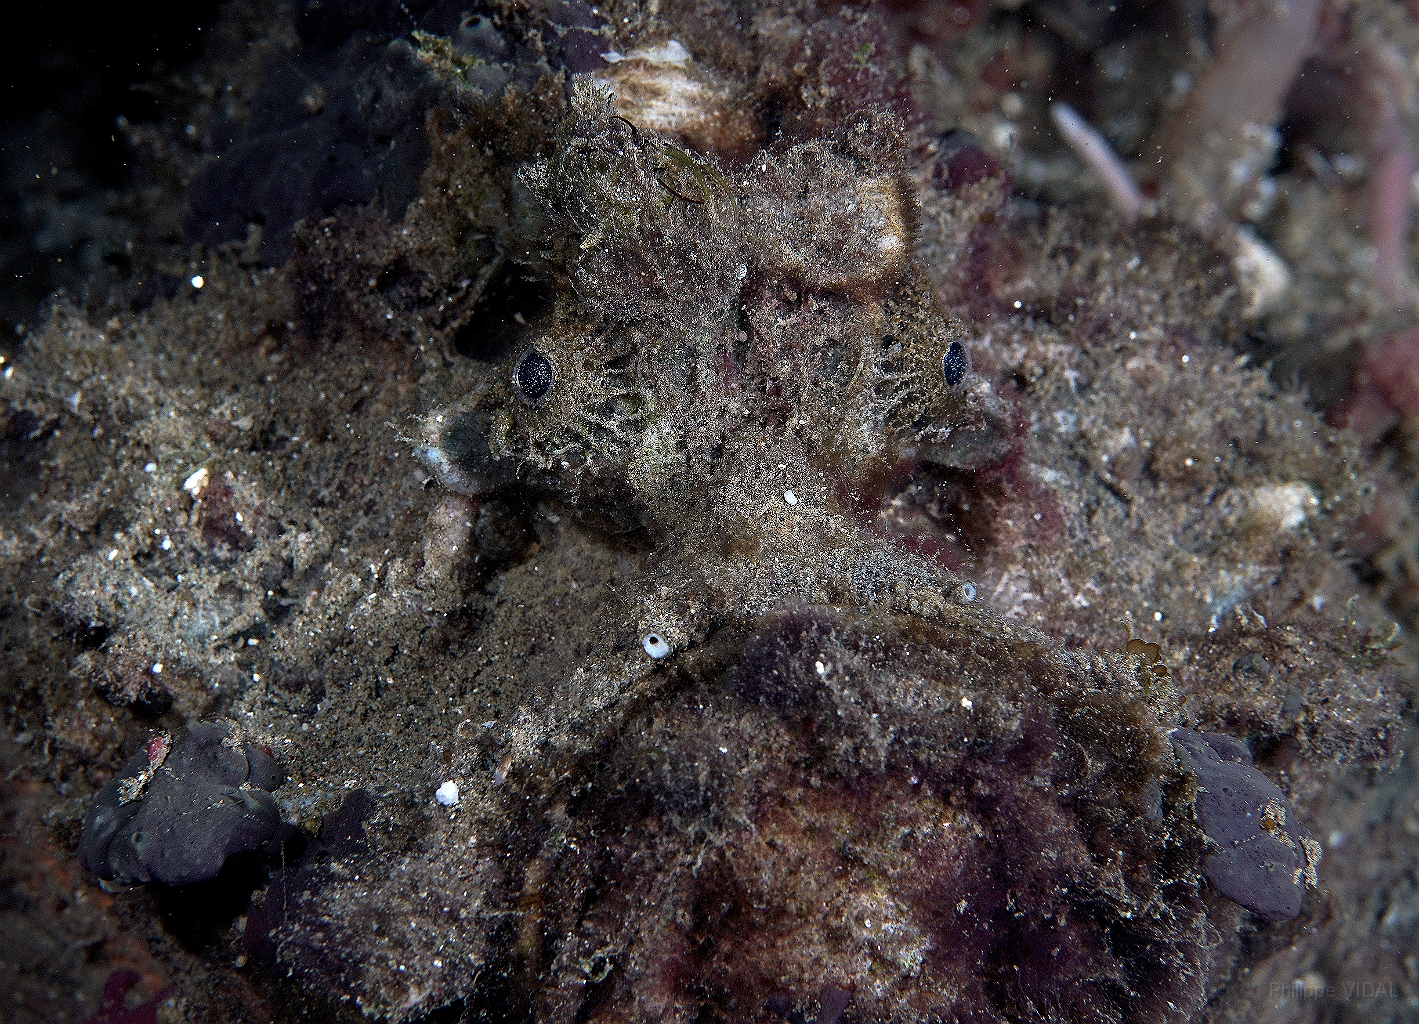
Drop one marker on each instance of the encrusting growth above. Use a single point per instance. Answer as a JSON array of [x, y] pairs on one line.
[[741, 642]]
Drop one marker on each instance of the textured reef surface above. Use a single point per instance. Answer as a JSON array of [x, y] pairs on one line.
[[617, 515]]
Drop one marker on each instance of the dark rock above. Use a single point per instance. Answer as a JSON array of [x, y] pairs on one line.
[[329, 128], [23, 436], [340, 843], [174, 816], [1264, 856], [577, 28]]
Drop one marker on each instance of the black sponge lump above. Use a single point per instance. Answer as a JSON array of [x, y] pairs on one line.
[[1264, 858], [175, 815]]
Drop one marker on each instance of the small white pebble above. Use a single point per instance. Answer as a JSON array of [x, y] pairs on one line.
[[150, 467], [197, 281], [967, 703], [157, 668], [655, 646], [790, 497], [447, 794], [113, 554]]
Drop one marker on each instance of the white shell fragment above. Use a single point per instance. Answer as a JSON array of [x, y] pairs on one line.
[[194, 484], [1283, 506], [1264, 275], [663, 89], [447, 794], [655, 646], [790, 497], [666, 53]]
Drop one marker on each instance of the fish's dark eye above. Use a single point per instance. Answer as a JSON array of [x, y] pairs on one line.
[[955, 364], [532, 377]]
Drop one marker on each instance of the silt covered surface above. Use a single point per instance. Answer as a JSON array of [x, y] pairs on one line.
[[896, 764]]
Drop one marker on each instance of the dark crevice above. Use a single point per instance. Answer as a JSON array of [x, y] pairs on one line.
[[508, 310]]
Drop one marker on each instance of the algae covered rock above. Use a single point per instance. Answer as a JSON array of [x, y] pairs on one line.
[[180, 808], [947, 819]]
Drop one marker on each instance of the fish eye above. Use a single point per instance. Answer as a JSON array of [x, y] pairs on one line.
[[532, 376], [955, 364]]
